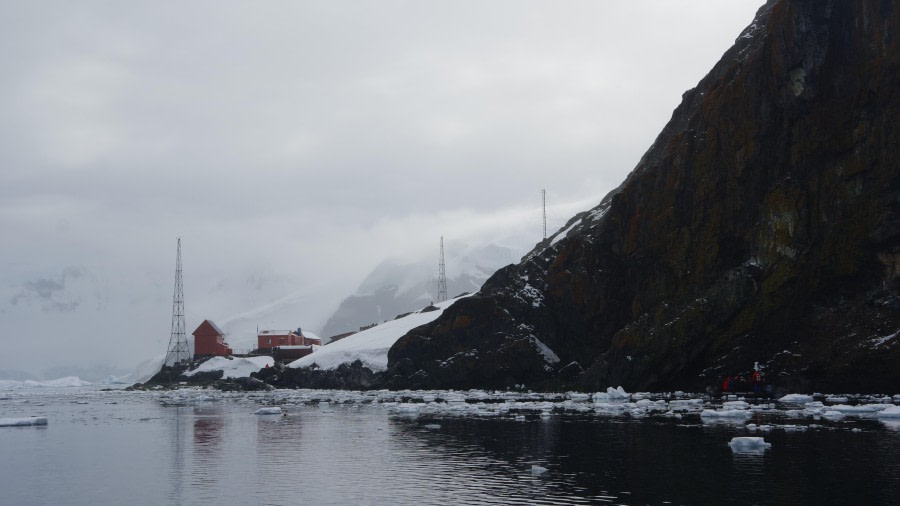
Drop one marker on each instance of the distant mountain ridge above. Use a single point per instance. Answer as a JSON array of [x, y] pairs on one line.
[[395, 287]]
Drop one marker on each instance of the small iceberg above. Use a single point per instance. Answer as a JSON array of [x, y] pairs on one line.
[[538, 470], [407, 409], [749, 444], [796, 398], [23, 422], [893, 412], [833, 415], [268, 411], [611, 394]]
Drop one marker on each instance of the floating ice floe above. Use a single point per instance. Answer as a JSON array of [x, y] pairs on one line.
[[750, 444], [268, 411], [735, 405], [23, 422], [796, 398], [612, 394], [859, 409], [833, 415], [406, 408], [892, 412], [741, 414], [538, 470], [578, 397]]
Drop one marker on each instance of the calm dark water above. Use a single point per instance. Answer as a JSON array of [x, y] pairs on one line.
[[200, 448]]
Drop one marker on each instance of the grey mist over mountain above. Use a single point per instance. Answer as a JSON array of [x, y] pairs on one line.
[[395, 287]]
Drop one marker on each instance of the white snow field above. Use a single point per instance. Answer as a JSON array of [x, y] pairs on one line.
[[370, 346], [67, 382], [237, 367], [23, 422]]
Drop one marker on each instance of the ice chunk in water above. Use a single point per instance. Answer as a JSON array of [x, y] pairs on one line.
[[725, 413], [268, 411], [797, 398], [892, 412], [23, 422], [748, 444]]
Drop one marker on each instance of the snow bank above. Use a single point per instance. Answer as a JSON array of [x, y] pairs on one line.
[[753, 444], [23, 422], [233, 368], [67, 382], [796, 398], [370, 346]]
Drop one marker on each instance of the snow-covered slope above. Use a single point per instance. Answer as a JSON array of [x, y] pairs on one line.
[[233, 368], [370, 346], [395, 287]]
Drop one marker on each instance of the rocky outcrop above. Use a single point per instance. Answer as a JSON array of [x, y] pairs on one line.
[[350, 376], [173, 377], [763, 225]]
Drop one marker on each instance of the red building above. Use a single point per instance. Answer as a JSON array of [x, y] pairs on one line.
[[268, 339], [209, 340]]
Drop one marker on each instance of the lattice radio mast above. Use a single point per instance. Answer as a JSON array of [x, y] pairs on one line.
[[442, 276], [544, 210], [178, 346]]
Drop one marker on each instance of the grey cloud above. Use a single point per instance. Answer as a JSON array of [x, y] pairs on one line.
[[296, 144], [50, 293]]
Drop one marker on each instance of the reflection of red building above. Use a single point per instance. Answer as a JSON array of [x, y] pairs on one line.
[[268, 339], [209, 340]]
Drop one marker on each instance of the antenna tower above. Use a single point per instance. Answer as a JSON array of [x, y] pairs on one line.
[[544, 210], [178, 346], [442, 276]]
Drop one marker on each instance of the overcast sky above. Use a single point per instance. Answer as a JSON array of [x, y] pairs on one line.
[[294, 145]]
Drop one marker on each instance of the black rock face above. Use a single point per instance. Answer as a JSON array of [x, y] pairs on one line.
[[762, 226]]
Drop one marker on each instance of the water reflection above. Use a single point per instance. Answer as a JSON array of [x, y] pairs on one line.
[[176, 447], [208, 425]]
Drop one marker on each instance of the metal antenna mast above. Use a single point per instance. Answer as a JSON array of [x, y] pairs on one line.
[[544, 209], [178, 346], [442, 276]]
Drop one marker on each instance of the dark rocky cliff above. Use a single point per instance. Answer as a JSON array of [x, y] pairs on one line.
[[763, 225]]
